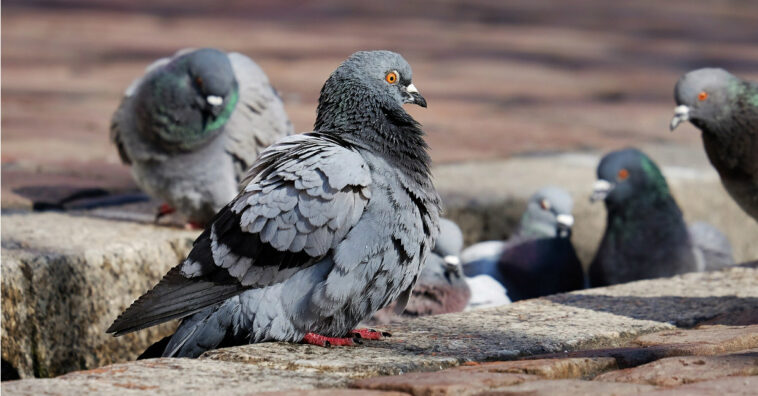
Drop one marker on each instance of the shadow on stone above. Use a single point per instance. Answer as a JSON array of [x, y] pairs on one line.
[[665, 309], [9, 373]]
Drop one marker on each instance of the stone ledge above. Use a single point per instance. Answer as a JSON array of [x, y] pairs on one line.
[[54, 302], [616, 316]]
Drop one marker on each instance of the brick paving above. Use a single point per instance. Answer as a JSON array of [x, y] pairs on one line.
[[502, 78], [709, 356]]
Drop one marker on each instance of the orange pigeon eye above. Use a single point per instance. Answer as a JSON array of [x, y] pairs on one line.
[[702, 96], [622, 175], [545, 204], [199, 81], [391, 77]]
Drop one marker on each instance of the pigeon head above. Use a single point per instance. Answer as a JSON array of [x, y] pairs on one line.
[[188, 100], [548, 214], [367, 83], [213, 79], [702, 97], [627, 176]]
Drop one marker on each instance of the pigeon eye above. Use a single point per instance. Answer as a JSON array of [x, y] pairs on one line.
[[199, 81], [391, 77], [545, 204], [702, 96], [622, 175]]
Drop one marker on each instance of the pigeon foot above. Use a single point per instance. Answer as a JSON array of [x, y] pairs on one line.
[[369, 334], [323, 341]]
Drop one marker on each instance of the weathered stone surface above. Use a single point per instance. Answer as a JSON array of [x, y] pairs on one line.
[[446, 382], [686, 369], [570, 387], [173, 377], [436, 343], [707, 340], [549, 368], [66, 278], [732, 386], [473, 378], [389, 357], [749, 316], [331, 392], [713, 340], [673, 300]]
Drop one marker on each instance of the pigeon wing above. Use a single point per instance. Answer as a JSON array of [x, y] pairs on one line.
[[259, 119], [302, 197], [123, 124], [710, 245]]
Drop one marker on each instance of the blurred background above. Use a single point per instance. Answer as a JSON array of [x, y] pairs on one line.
[[505, 81]]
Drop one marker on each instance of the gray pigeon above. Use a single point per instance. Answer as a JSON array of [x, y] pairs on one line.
[[330, 227], [725, 109], [192, 126], [441, 287], [646, 236], [539, 259]]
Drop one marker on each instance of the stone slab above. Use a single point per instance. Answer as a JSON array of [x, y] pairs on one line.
[[706, 340], [66, 278], [547, 368], [331, 392], [447, 382], [732, 386], [474, 378], [686, 369], [570, 387], [593, 318], [172, 377]]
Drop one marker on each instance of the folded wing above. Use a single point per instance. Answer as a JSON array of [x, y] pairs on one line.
[[301, 198]]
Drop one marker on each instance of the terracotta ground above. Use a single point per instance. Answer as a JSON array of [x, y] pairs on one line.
[[501, 78]]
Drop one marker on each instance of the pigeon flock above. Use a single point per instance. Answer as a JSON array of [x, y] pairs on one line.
[[306, 237]]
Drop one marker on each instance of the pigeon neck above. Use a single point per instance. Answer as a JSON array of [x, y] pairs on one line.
[[387, 131], [646, 214]]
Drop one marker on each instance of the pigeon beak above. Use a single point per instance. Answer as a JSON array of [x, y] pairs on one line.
[[453, 264], [214, 100], [681, 114], [452, 260], [600, 190], [565, 222], [414, 96], [214, 104]]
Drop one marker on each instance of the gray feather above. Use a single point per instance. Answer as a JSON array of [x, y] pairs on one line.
[[711, 245]]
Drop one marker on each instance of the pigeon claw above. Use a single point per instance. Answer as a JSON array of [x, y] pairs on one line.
[[369, 334], [326, 342]]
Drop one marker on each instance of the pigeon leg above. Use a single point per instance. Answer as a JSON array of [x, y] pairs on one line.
[[163, 210], [191, 225], [318, 339], [369, 334]]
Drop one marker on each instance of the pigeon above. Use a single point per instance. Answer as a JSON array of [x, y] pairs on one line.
[[539, 259], [646, 236], [192, 126], [441, 287], [712, 248], [725, 109], [331, 226]]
